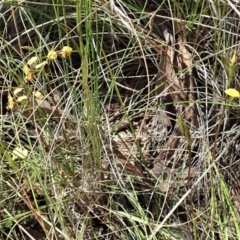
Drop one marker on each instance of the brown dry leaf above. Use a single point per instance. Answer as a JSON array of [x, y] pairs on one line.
[[185, 61], [167, 79], [179, 88], [48, 109], [165, 70], [175, 77], [165, 74]]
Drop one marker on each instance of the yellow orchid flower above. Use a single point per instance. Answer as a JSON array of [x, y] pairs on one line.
[[65, 52], [52, 55], [11, 103], [26, 69], [29, 76], [38, 95]]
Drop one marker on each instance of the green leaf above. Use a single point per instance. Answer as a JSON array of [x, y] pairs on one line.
[[184, 129], [182, 125], [29, 48]]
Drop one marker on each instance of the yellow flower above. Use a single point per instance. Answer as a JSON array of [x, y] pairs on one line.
[[65, 52], [11, 103], [52, 55], [26, 69], [232, 92], [38, 95], [29, 76]]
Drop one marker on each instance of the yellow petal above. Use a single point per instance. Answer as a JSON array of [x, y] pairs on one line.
[[232, 92], [17, 90], [26, 69], [40, 65], [67, 49], [38, 95], [234, 58], [19, 153], [64, 53], [32, 60], [11, 103], [29, 76], [52, 55], [21, 98]]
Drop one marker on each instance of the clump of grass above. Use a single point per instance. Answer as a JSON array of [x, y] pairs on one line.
[[77, 155]]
